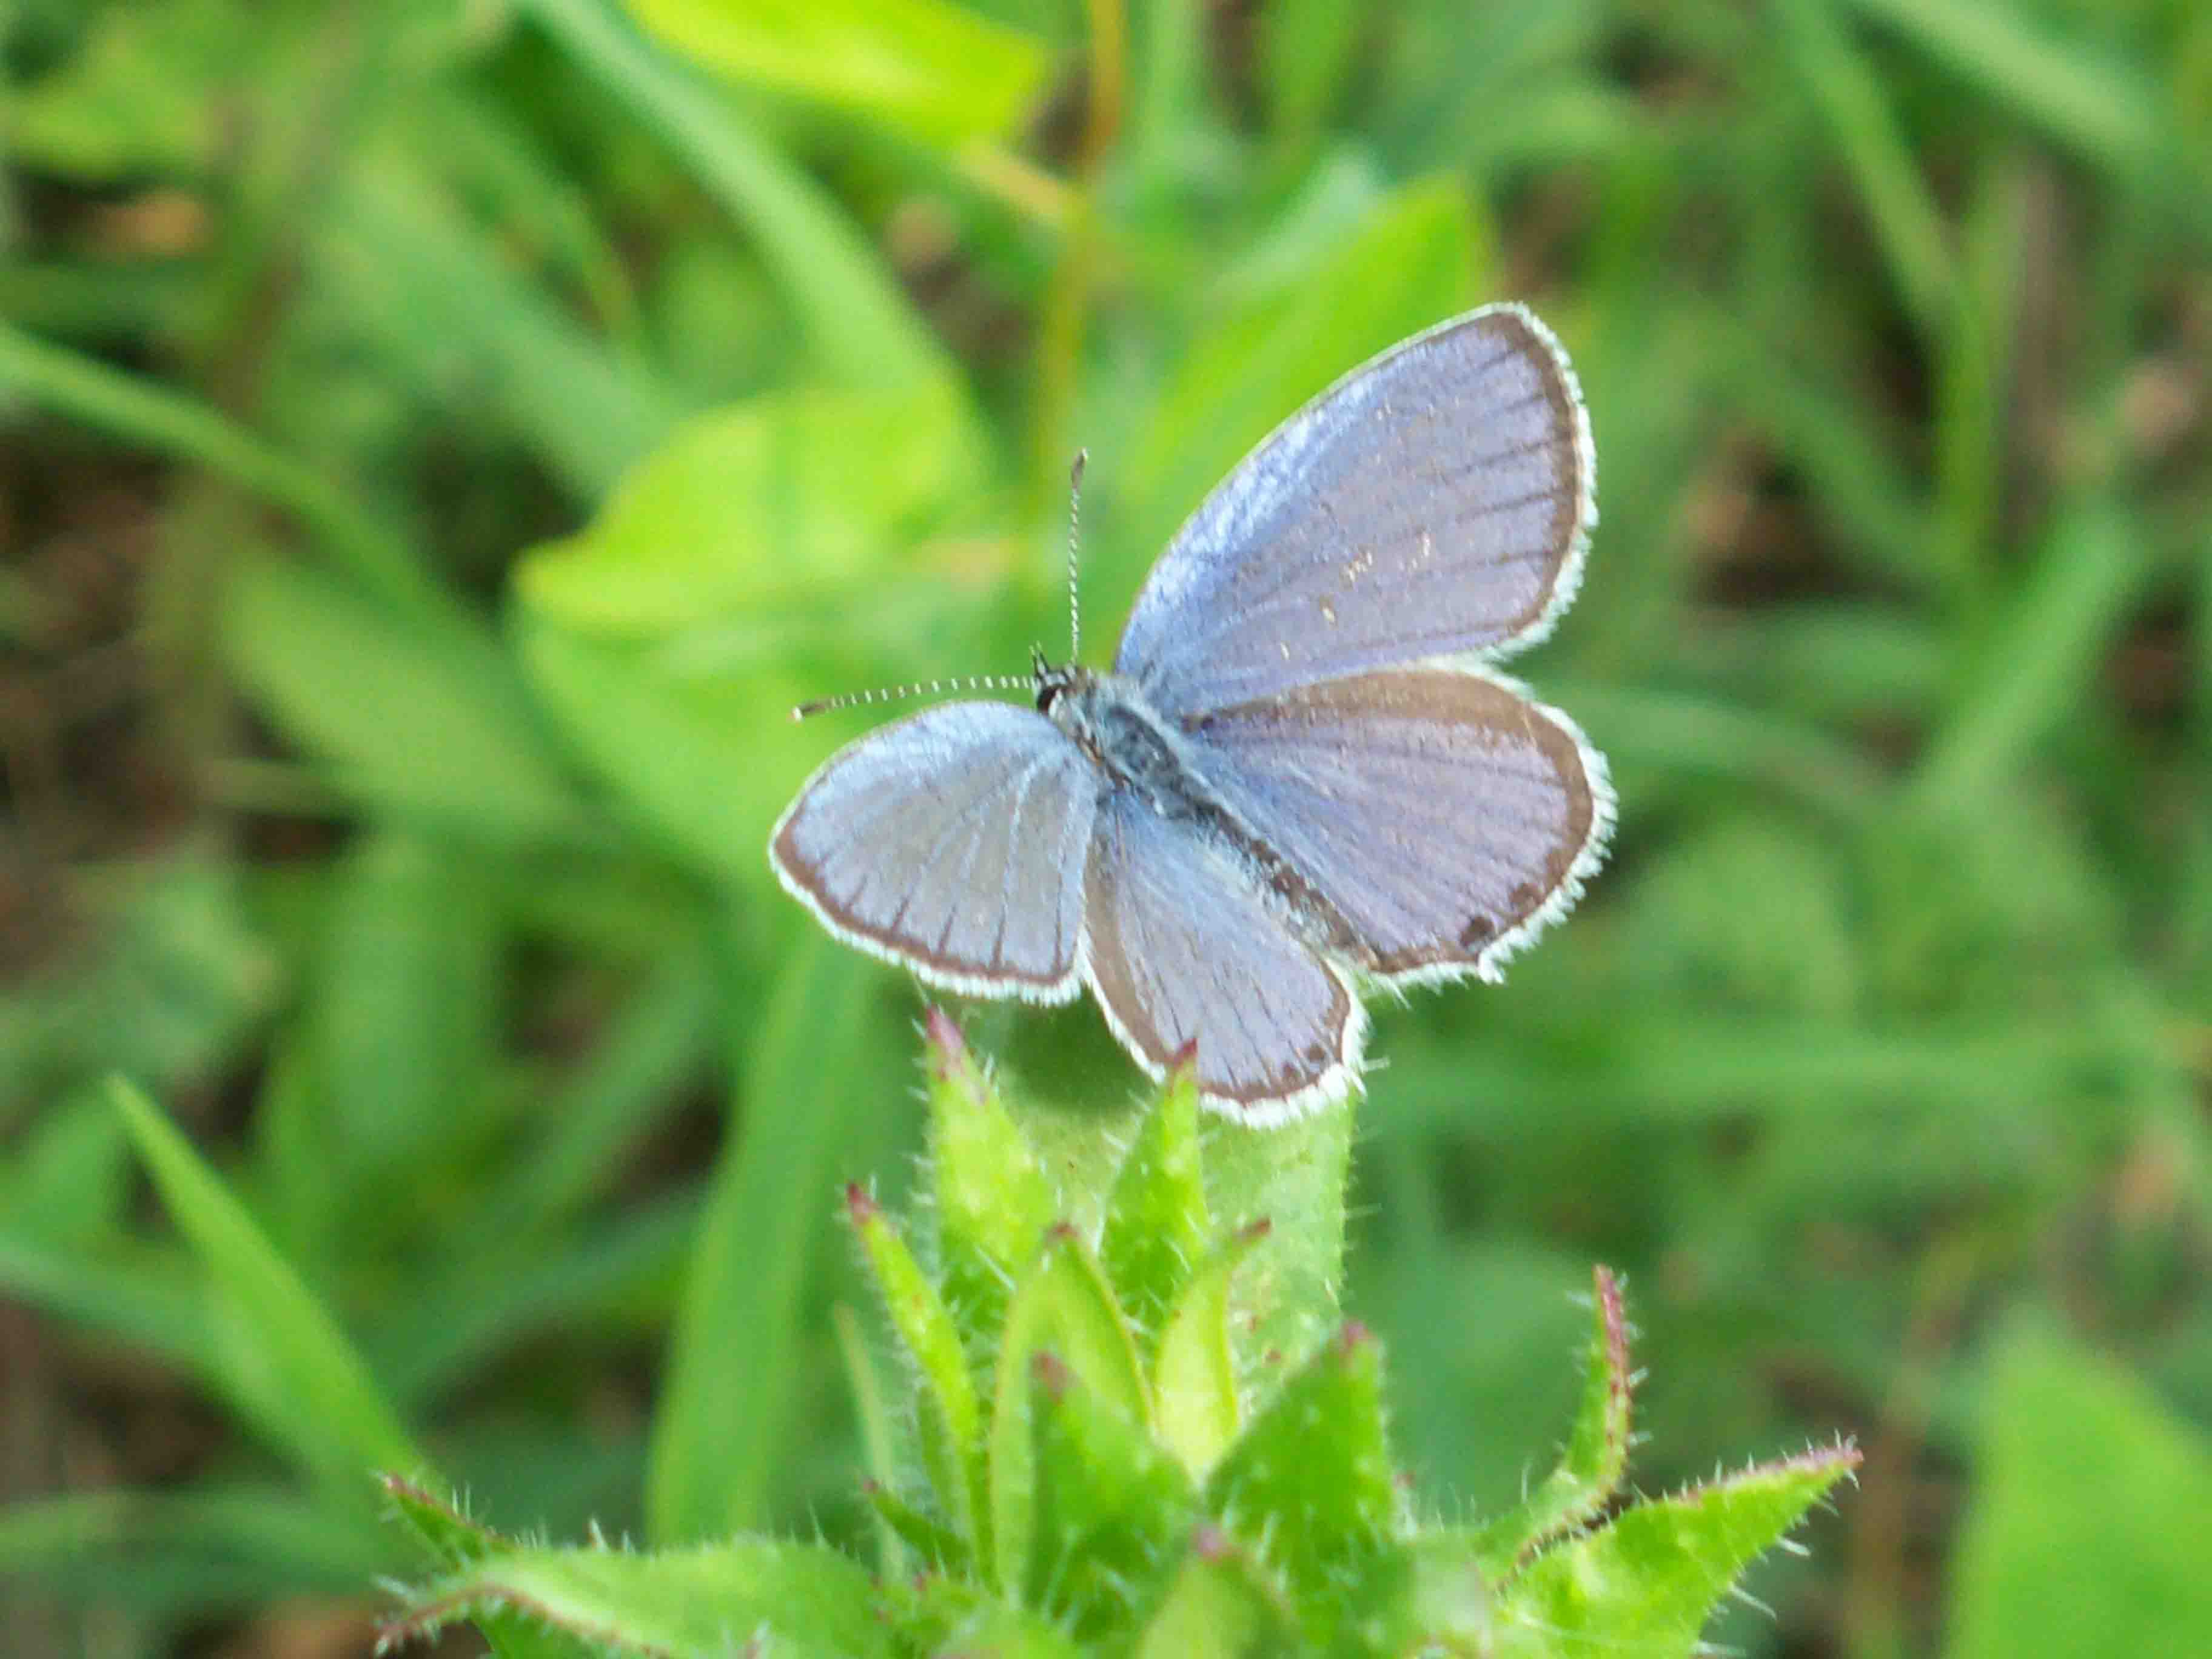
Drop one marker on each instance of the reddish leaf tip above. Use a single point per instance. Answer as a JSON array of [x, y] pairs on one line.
[[1614, 1314], [861, 1204], [948, 1047]]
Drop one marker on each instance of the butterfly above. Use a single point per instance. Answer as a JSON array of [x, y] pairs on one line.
[[1304, 776]]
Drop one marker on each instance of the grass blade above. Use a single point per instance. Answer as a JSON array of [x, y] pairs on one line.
[[280, 1356]]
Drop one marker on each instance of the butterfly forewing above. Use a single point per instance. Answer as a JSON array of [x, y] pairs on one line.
[[1441, 814], [1434, 503], [953, 841], [1183, 948]]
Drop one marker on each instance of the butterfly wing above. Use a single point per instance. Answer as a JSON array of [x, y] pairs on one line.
[[1181, 948], [953, 843], [1444, 816], [1435, 502]]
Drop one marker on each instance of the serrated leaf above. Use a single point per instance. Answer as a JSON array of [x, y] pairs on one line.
[[1311, 1485], [1110, 1507], [788, 1599], [1648, 1583], [1156, 1227], [993, 1200], [280, 1356], [1596, 1455], [1063, 1307], [1221, 1605], [1423, 1596], [939, 1547], [1194, 1371], [451, 1537], [938, 71], [1006, 1632], [950, 1415], [1283, 1301]]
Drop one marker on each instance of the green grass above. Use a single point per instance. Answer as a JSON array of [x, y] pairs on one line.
[[438, 443]]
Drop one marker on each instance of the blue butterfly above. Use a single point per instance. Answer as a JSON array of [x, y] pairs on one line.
[[1303, 775]]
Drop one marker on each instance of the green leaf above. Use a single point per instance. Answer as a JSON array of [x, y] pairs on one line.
[[936, 70], [67, 1180], [858, 323], [142, 96], [993, 1200], [196, 1552], [635, 1077], [950, 1415], [476, 1310], [145, 413], [803, 494], [1155, 1226], [443, 295], [2037, 659], [150, 1302], [280, 1358], [1195, 1370], [1110, 1508], [815, 1068], [1591, 1469], [1283, 1303], [1061, 1306], [1222, 1605], [2086, 1532], [705, 763], [404, 1013], [1898, 199], [364, 685], [2101, 107], [800, 1600], [1649, 1582], [1310, 1485]]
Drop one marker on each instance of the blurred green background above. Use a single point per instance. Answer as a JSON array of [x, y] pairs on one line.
[[439, 439]]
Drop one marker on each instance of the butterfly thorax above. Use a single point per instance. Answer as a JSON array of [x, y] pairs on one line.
[[1126, 739], [1138, 749]]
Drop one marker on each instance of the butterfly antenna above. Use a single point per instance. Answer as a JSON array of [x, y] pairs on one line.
[[1074, 526], [917, 688]]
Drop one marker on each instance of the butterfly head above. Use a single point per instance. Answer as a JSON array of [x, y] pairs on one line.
[[1051, 682]]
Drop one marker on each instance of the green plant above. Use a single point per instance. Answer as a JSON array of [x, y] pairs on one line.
[[1137, 1427]]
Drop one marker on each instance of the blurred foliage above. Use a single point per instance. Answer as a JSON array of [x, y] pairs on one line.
[[443, 437]]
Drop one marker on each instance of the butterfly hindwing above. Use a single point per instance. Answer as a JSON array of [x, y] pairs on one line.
[[953, 841]]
